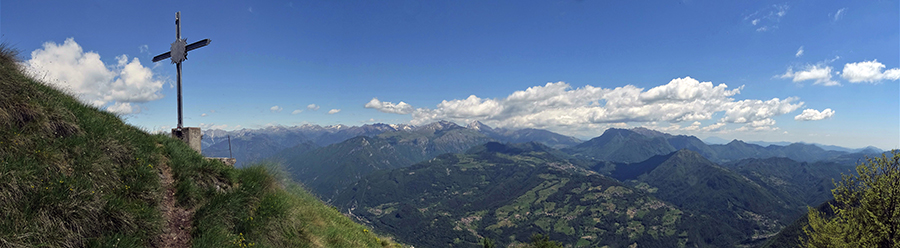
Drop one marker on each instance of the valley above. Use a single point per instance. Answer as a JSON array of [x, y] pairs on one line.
[[443, 184]]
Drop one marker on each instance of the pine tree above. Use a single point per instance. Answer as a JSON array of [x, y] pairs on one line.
[[487, 243], [866, 208]]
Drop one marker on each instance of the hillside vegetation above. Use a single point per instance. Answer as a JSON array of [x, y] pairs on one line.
[[506, 193], [75, 176]]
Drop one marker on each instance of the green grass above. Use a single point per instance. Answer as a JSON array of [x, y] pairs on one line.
[[75, 176]]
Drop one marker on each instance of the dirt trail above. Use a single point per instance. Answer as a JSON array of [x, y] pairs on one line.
[[177, 229]]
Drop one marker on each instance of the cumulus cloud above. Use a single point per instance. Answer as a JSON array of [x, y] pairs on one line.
[[123, 108], [559, 107], [869, 72], [759, 125], [312, 107], [814, 115], [275, 109], [297, 111], [799, 52], [333, 111], [119, 87], [203, 115], [693, 127], [389, 107], [714, 127], [821, 74]]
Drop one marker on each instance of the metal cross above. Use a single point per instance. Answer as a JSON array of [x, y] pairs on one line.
[[178, 53]]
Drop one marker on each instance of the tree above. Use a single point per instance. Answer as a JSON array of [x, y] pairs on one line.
[[543, 241], [866, 208], [487, 243]]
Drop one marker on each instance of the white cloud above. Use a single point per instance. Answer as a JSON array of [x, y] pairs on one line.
[[767, 18], [559, 107], [83, 74], [693, 127], [123, 108], [714, 127], [333, 111], [389, 107], [759, 112], [820, 73], [211, 126], [275, 109], [203, 115], [839, 14], [297, 111], [799, 52], [782, 9], [869, 72], [814, 115], [144, 49], [312, 107]]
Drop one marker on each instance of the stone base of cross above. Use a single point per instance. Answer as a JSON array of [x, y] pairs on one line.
[[190, 135]]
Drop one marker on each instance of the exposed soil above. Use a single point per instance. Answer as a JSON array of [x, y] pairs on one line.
[[177, 229]]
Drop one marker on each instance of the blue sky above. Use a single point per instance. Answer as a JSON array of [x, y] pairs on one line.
[[705, 68]]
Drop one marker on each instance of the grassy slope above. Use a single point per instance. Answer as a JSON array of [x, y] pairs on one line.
[[76, 176]]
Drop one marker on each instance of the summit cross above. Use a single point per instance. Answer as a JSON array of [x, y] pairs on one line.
[[178, 53]]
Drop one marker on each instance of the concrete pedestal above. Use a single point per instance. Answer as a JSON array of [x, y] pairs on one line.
[[190, 135]]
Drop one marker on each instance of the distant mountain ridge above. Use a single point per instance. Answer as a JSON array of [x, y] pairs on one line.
[[713, 140], [639, 144], [545, 137], [252, 145], [328, 169]]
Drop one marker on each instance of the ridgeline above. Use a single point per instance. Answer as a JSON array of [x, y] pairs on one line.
[[76, 176]]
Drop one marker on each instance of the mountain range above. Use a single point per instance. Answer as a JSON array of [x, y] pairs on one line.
[[713, 140], [639, 144], [328, 169], [506, 192], [443, 184]]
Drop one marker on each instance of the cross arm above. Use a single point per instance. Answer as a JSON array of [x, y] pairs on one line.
[[196, 45], [162, 56], [187, 48]]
